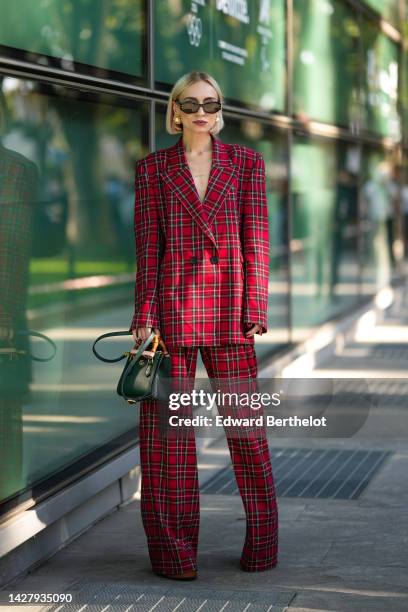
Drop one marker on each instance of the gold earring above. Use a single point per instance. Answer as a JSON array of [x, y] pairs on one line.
[[216, 120], [177, 121]]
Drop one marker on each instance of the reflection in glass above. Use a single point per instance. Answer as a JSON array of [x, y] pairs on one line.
[[326, 61], [404, 202], [379, 201], [324, 242], [380, 83], [241, 44], [18, 185], [389, 9], [404, 95], [104, 34], [67, 165]]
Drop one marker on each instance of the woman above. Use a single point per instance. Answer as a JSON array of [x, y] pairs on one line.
[[201, 233]]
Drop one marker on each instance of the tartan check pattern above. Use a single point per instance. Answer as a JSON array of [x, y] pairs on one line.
[[202, 267], [170, 501], [18, 181]]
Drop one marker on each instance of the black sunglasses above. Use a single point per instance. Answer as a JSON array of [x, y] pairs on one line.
[[190, 106]]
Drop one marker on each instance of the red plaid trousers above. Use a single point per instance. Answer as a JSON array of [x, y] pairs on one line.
[[170, 501]]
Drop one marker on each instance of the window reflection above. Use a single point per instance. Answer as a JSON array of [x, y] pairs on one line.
[[389, 9], [67, 189], [380, 83], [404, 96], [326, 55], [241, 44], [67, 269], [324, 243], [273, 146], [18, 186], [404, 201], [379, 209], [106, 35]]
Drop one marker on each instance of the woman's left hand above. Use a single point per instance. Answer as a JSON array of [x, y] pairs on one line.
[[253, 330]]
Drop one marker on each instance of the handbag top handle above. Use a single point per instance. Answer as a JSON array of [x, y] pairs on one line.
[[13, 351]]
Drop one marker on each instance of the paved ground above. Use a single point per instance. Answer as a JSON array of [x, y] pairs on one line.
[[335, 554]]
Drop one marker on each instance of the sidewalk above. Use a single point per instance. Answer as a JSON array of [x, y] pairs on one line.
[[335, 554]]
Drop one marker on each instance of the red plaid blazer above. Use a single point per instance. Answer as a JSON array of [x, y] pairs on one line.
[[202, 268]]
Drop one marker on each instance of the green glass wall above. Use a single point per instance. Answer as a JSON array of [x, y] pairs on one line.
[[326, 58], [380, 83], [92, 101], [378, 219], [388, 9], [404, 97], [355, 63], [106, 35], [324, 240], [241, 44], [404, 199], [67, 270]]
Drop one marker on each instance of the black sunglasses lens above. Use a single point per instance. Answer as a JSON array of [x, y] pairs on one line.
[[211, 107], [189, 107], [192, 107]]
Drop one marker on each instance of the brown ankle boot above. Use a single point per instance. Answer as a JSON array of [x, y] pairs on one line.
[[188, 575]]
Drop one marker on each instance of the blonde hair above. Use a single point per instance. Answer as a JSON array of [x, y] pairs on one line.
[[183, 82]]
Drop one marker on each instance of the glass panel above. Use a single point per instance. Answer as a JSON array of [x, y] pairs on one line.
[[404, 95], [102, 34], [389, 9], [404, 201], [380, 83], [324, 244], [326, 58], [242, 44], [379, 199], [273, 146], [66, 270]]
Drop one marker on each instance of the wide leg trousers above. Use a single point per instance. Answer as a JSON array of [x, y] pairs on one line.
[[170, 502]]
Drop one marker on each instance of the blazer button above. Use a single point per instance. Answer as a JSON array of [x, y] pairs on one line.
[[194, 259], [214, 259]]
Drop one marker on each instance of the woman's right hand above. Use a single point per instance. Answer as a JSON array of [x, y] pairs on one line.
[[142, 333]]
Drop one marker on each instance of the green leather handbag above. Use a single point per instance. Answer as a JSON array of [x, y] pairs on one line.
[[147, 373]]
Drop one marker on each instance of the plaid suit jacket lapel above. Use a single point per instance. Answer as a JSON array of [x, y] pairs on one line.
[[178, 176]]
